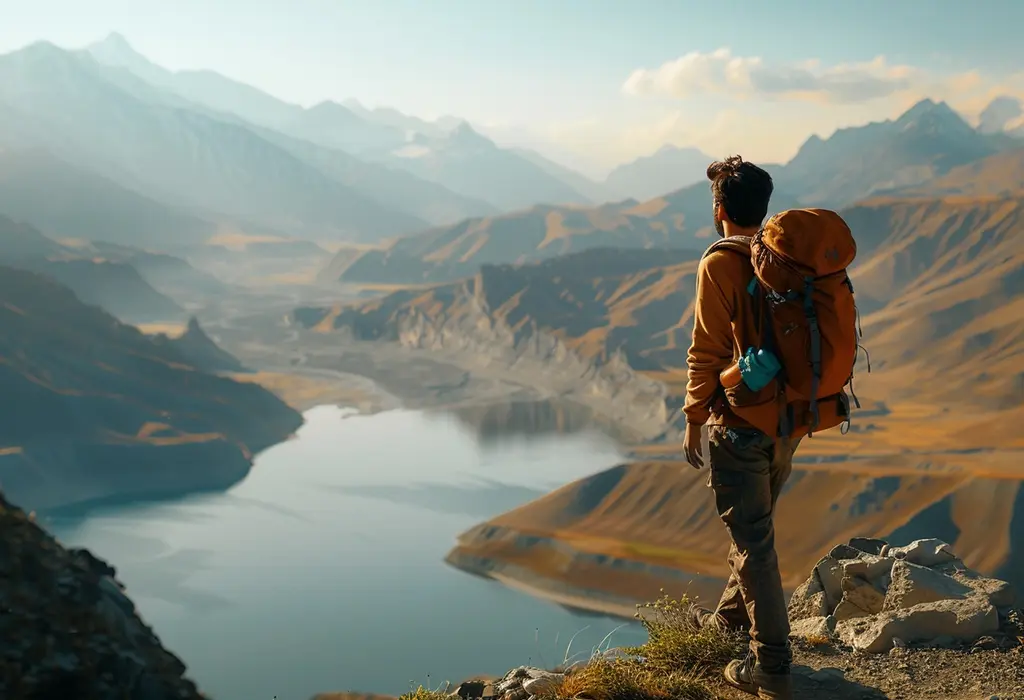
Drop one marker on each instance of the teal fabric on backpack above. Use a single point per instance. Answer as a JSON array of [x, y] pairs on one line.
[[758, 368]]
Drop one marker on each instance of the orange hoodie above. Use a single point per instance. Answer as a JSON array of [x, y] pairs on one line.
[[722, 326]]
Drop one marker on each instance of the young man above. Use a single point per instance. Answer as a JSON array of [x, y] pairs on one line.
[[748, 466]]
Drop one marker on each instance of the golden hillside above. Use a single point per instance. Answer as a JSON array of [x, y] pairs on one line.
[[681, 219], [620, 536], [998, 175]]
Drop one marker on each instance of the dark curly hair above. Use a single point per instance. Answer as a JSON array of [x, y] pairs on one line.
[[742, 188]]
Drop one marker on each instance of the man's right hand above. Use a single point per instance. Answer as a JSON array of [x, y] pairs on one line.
[[692, 447]]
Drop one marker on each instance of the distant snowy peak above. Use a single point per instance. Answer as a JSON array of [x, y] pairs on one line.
[[1005, 114]]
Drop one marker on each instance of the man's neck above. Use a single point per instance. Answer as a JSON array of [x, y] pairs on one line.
[[731, 230]]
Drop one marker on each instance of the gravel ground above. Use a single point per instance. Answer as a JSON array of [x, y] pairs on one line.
[[905, 674]]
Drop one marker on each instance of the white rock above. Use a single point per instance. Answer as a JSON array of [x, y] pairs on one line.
[[813, 627], [863, 594], [543, 684], [970, 618], [913, 584], [910, 594], [929, 552]]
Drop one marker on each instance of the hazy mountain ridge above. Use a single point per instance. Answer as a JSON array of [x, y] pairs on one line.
[[998, 175], [114, 286], [668, 169], [169, 274], [467, 162], [69, 202], [853, 163], [476, 169], [286, 167], [182, 157]]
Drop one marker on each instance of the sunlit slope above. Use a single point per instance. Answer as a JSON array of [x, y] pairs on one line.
[[679, 220]]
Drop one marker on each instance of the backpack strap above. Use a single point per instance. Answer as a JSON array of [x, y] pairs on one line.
[[815, 332], [763, 321], [737, 244]]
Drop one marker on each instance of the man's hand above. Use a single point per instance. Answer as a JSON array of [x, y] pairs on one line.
[[691, 446]]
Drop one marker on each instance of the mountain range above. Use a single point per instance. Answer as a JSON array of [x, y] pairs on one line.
[[929, 144], [452, 154], [143, 155], [681, 219], [927, 141]]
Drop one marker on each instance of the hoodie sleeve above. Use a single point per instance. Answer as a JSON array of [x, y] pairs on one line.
[[712, 348]]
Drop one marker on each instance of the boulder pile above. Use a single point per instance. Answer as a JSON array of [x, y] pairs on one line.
[[874, 597], [522, 683]]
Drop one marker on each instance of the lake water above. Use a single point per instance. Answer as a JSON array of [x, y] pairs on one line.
[[324, 569]]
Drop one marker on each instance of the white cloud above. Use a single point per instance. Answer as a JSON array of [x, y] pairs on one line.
[[742, 77]]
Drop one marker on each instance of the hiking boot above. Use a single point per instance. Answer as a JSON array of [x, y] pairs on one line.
[[748, 676]]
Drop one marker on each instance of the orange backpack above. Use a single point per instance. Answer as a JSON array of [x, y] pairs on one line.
[[806, 315]]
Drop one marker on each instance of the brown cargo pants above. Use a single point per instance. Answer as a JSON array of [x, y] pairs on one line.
[[748, 471]]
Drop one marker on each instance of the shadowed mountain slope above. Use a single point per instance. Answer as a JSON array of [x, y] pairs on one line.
[[97, 409]]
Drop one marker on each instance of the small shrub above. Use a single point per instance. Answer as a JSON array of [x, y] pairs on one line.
[[674, 645], [674, 664], [422, 693]]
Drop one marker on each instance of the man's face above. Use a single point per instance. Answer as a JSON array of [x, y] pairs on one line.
[[719, 227]]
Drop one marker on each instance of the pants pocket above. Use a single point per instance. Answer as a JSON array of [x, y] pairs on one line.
[[728, 486]]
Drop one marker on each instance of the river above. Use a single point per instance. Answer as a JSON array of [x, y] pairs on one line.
[[323, 570]]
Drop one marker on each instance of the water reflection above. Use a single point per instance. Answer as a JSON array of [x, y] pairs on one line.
[[499, 421], [484, 500]]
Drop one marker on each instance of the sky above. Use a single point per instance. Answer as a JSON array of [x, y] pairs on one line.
[[592, 83]]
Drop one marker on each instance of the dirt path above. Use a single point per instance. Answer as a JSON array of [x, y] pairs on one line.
[[905, 675]]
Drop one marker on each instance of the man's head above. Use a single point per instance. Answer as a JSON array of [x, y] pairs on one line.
[[741, 192]]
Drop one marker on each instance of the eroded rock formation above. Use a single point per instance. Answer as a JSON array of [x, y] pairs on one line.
[[872, 597]]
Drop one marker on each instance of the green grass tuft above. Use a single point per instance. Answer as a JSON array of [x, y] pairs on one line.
[[422, 693], [677, 662]]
